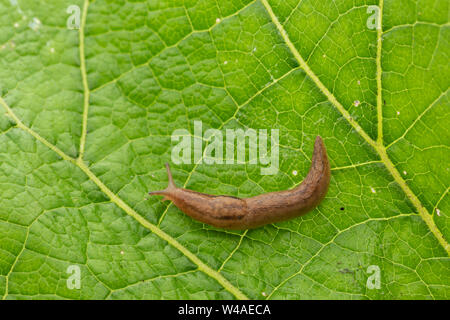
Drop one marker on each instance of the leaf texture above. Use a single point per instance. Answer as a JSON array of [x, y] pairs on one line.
[[86, 122]]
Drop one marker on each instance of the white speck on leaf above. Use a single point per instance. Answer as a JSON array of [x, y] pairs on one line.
[[438, 212], [121, 252], [358, 82], [16, 25], [373, 190], [225, 62], [404, 172], [35, 24], [294, 172], [52, 50], [264, 294], [356, 103]]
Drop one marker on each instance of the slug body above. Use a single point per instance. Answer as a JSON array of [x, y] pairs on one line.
[[246, 213]]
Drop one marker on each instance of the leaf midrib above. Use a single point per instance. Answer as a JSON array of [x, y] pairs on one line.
[[86, 91], [378, 145], [128, 210]]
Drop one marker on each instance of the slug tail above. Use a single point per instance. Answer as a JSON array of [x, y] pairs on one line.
[[167, 191]]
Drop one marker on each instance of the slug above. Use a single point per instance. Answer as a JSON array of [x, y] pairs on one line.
[[245, 213]]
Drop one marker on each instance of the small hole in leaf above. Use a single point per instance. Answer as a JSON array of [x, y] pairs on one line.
[[342, 208]]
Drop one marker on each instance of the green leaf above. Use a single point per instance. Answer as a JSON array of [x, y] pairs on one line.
[[85, 127]]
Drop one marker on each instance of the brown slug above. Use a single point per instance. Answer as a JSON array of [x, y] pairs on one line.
[[235, 213]]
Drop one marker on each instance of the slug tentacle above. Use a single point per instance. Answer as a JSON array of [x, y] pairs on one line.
[[236, 213], [170, 187]]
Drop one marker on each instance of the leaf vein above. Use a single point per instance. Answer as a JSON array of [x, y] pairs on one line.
[[128, 210], [377, 145]]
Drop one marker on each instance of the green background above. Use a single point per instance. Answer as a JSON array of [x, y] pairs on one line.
[[86, 118]]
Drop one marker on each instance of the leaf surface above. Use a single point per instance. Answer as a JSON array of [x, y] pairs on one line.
[[86, 122]]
